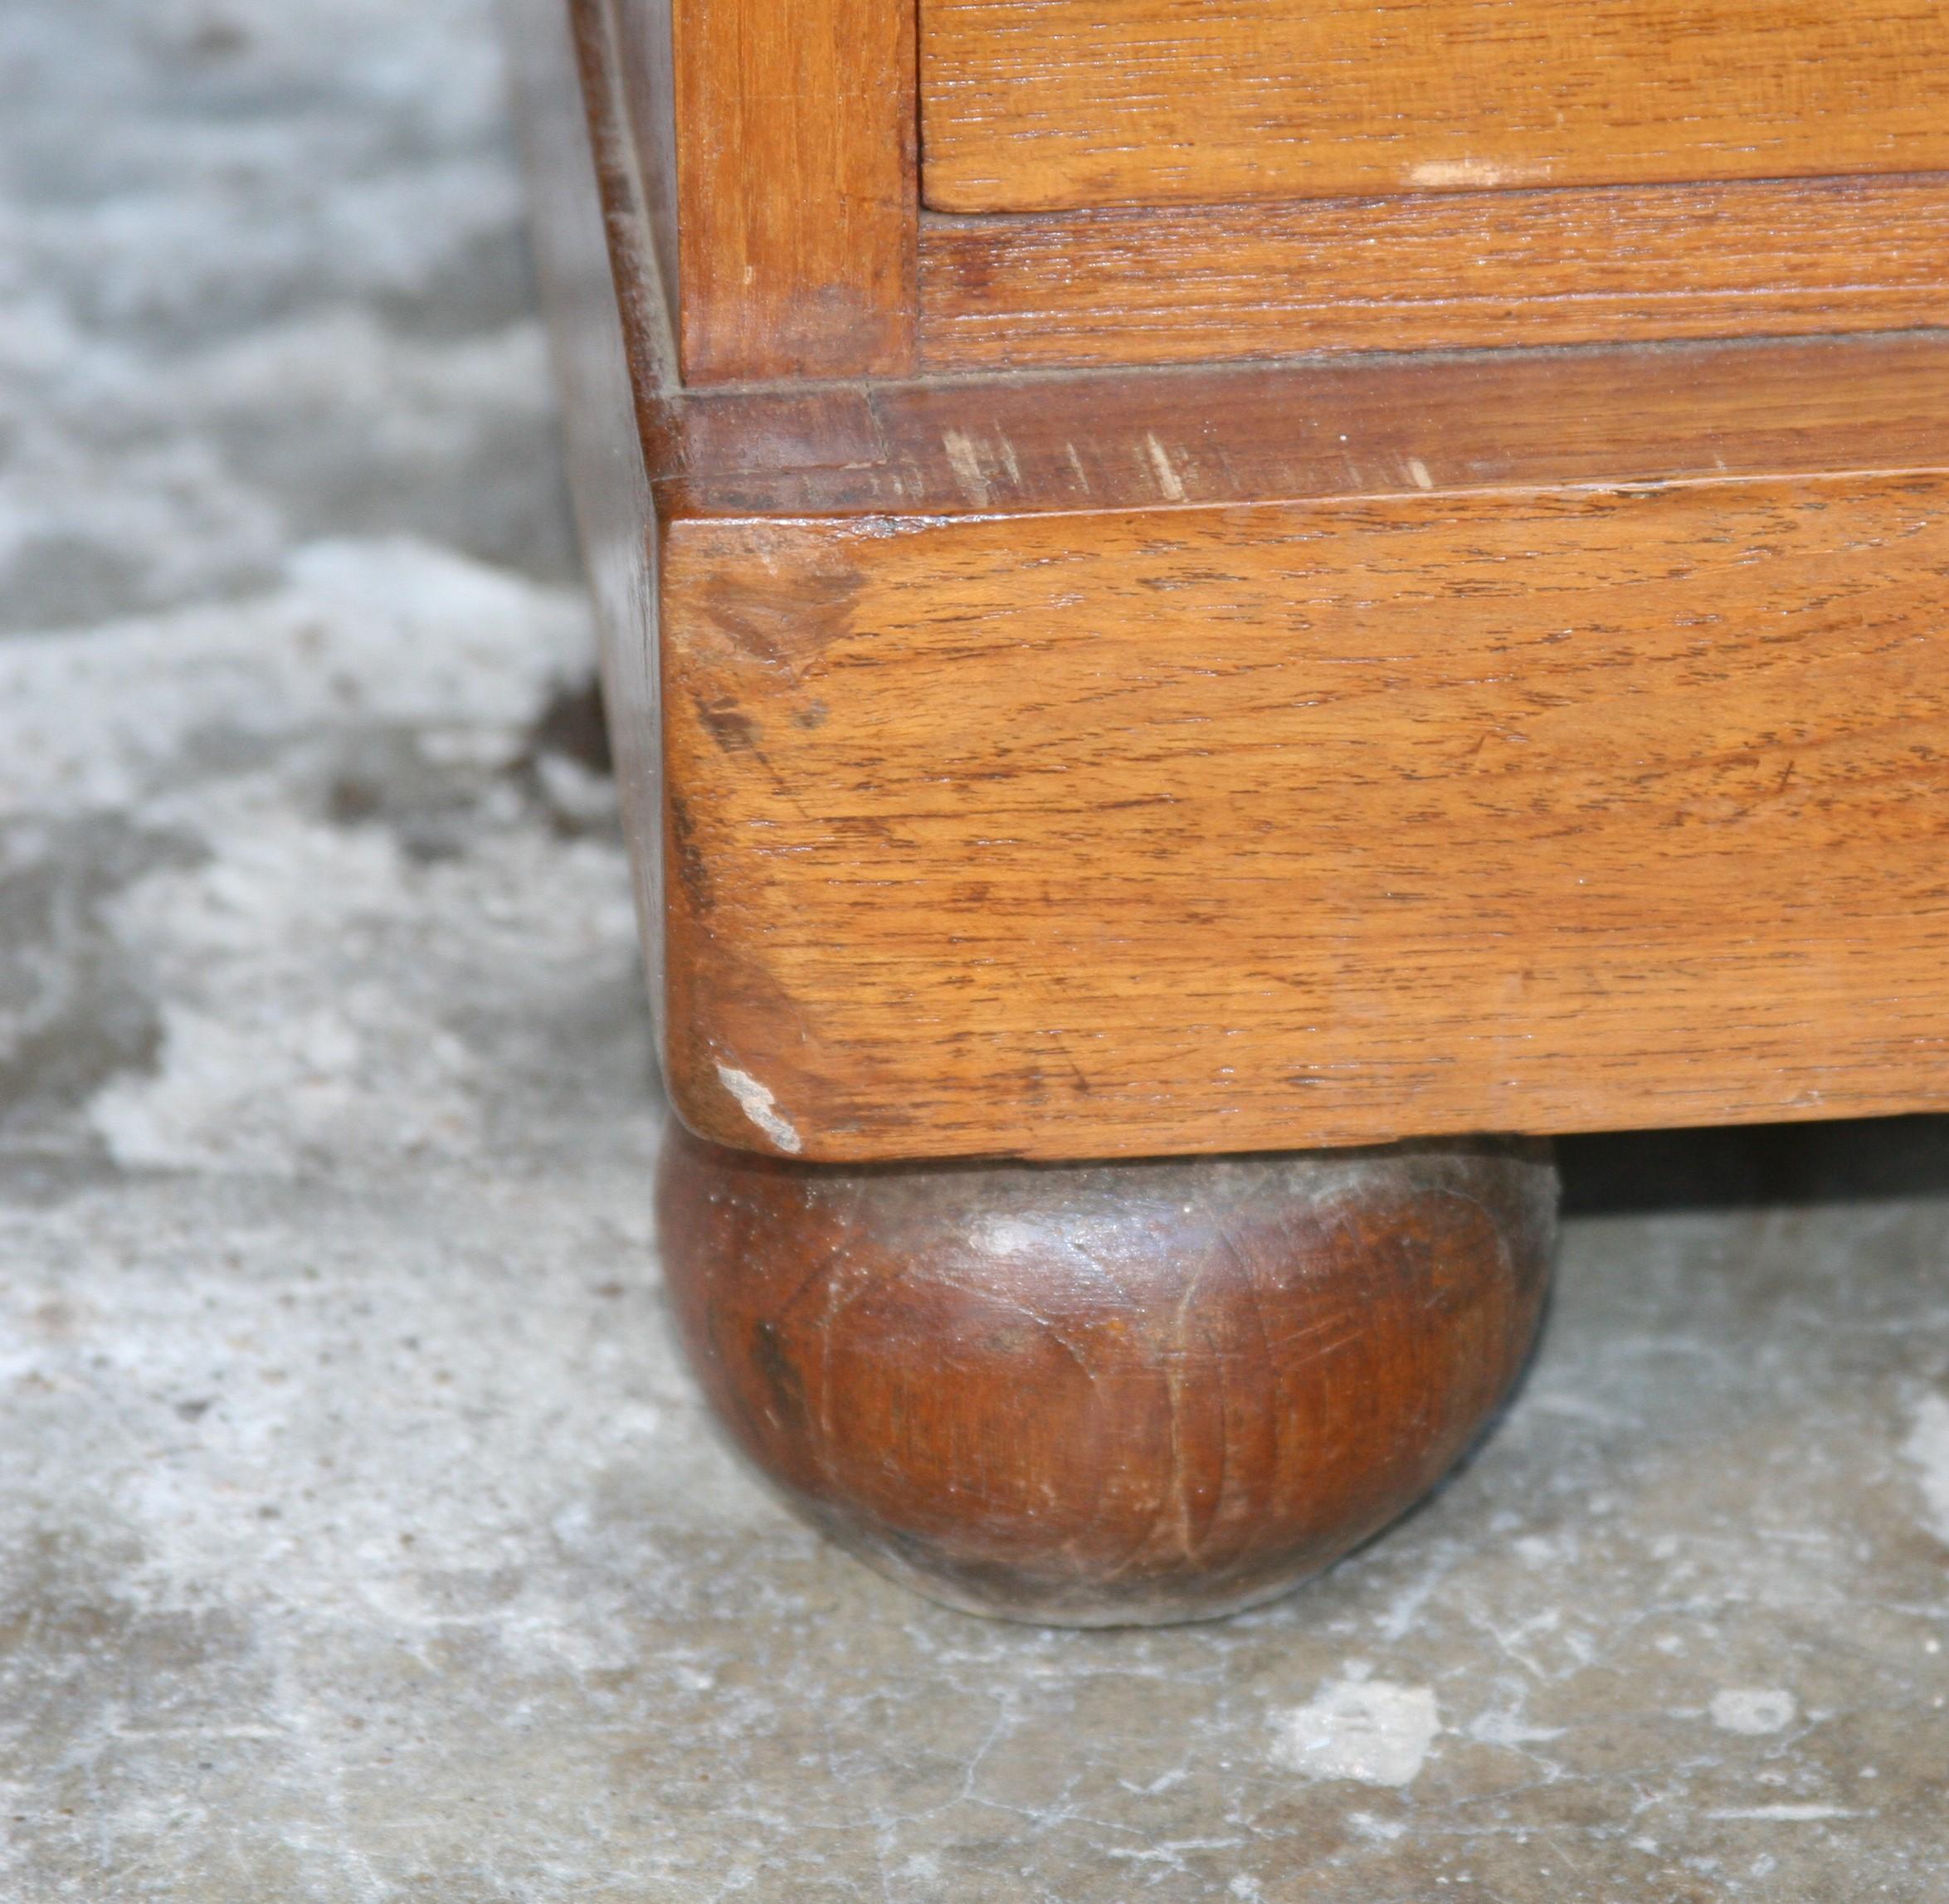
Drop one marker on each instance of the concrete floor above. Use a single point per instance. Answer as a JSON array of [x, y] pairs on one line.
[[362, 1539]]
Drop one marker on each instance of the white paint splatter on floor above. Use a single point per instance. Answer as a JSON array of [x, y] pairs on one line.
[[1369, 1730], [1754, 1710], [1927, 1448]]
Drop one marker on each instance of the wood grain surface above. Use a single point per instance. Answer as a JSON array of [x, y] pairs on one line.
[[1048, 104], [1198, 759], [610, 339], [1436, 271], [1107, 1394], [629, 80], [1355, 427], [776, 172], [1260, 826], [791, 126]]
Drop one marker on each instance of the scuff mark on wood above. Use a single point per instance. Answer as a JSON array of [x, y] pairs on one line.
[[1169, 482], [757, 1104]]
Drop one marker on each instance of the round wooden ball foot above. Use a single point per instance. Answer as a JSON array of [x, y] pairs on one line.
[[1102, 1394]]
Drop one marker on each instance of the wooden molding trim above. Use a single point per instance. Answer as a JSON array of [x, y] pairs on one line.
[[1087, 440]]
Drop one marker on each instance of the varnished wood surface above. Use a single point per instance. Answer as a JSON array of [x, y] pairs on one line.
[[1366, 427], [630, 86], [1020, 797], [1107, 1394], [1216, 432], [774, 167], [588, 244], [1247, 827], [1047, 104], [1436, 271], [790, 124]]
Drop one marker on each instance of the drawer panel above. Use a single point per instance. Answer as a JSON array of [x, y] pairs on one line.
[[1436, 271], [1050, 105]]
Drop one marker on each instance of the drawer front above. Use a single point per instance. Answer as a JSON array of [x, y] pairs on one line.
[[1052, 105]]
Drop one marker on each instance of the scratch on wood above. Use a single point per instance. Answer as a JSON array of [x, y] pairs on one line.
[[1168, 480], [1474, 174], [966, 462]]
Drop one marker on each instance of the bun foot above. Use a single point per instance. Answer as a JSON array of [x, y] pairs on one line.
[[1096, 1394]]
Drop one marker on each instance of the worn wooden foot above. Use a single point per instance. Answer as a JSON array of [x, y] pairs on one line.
[[1100, 1393]]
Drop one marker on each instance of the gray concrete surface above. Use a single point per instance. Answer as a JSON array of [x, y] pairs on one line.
[[362, 1538]]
